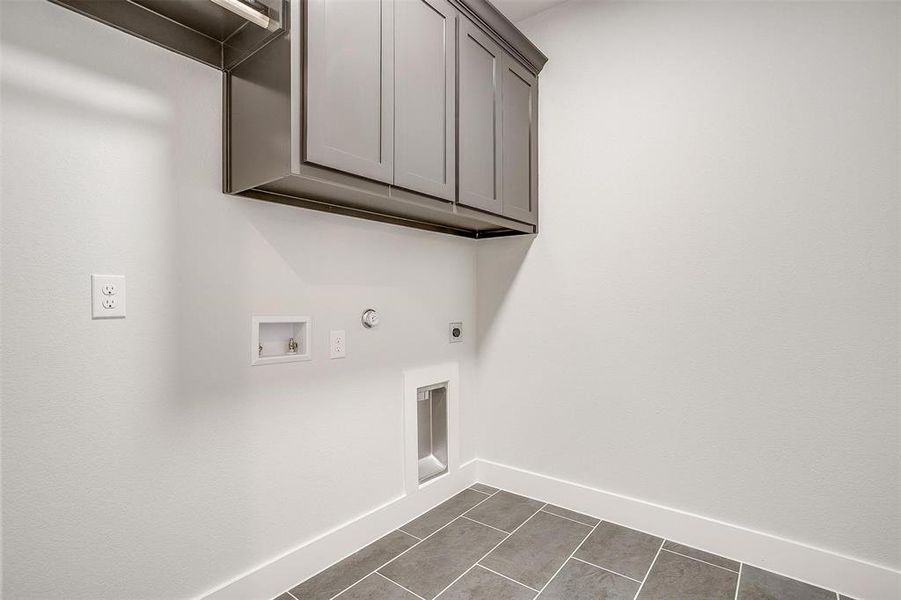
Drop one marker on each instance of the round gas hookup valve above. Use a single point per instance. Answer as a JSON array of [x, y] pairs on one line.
[[370, 318]]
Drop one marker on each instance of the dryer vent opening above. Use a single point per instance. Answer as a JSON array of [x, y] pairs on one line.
[[431, 430]]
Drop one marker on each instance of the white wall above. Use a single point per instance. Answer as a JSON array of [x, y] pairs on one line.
[[709, 317], [145, 458]]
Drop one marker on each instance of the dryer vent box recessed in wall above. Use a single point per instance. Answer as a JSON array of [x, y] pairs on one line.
[[279, 340], [431, 425], [431, 431]]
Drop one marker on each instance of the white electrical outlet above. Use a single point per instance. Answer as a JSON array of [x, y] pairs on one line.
[[108, 296], [337, 344]]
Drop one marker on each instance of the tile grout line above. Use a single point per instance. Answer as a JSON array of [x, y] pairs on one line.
[[782, 573], [409, 534], [481, 492], [605, 569], [626, 576], [617, 523], [804, 581], [675, 542], [385, 577], [376, 570], [507, 535], [560, 568], [490, 551], [567, 518], [506, 577], [699, 560], [485, 524], [646, 575], [354, 584], [646, 533], [395, 557], [543, 508]]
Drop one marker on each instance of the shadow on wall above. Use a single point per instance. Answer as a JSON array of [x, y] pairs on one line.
[[154, 432], [110, 161], [499, 263]]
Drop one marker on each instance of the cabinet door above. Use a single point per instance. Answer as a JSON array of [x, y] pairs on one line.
[[520, 142], [350, 86], [479, 98], [425, 48]]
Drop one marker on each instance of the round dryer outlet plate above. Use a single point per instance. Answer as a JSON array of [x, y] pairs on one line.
[[370, 318]]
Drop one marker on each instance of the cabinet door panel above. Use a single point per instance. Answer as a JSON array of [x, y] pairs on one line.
[[479, 97], [424, 110], [349, 113], [520, 142]]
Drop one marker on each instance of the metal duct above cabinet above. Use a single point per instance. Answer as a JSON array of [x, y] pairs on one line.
[[218, 33], [415, 112]]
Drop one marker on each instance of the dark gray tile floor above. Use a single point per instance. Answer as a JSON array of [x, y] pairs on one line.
[[757, 584], [490, 544]]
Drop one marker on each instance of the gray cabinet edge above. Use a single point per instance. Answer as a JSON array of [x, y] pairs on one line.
[[489, 18]]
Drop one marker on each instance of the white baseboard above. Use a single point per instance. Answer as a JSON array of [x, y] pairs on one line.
[[274, 577], [850, 576]]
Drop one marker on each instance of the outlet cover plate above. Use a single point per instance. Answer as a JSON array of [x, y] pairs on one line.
[[107, 296], [337, 343]]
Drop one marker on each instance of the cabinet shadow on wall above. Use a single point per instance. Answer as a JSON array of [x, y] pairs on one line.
[[498, 264]]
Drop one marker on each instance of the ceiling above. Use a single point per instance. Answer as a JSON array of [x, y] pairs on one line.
[[517, 10]]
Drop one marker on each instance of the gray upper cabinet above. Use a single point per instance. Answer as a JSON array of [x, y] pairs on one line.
[[425, 48], [479, 97], [420, 113], [519, 162], [350, 86]]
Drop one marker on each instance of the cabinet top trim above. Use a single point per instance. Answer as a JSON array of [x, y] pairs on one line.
[[488, 17]]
